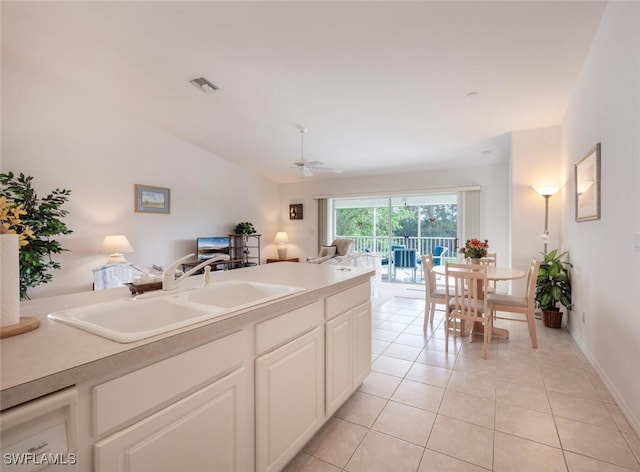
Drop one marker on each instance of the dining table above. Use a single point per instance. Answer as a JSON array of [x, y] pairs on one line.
[[494, 273]]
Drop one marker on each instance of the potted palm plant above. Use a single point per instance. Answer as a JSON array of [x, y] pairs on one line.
[[553, 286]]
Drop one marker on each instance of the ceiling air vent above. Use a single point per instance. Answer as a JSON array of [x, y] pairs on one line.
[[204, 85]]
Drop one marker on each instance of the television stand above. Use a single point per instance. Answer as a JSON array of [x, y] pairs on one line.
[[191, 264]]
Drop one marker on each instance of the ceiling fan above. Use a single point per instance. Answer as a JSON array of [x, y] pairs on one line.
[[309, 167]]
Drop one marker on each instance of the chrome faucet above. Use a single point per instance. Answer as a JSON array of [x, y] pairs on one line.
[[169, 281]]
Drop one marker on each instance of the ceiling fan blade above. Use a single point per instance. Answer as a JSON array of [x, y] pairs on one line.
[[306, 163], [327, 170], [308, 167]]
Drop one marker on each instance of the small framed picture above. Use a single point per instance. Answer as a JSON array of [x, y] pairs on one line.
[[587, 181], [152, 199], [295, 211]]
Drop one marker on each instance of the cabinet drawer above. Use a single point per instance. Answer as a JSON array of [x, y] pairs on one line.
[[343, 301], [199, 432], [130, 396], [277, 330]]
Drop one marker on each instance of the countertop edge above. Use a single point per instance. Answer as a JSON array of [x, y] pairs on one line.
[[169, 344]]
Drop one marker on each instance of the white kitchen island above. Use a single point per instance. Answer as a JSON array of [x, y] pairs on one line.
[[241, 393]]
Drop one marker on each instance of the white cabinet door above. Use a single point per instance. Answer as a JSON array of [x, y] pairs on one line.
[[339, 358], [210, 430], [348, 354], [289, 399], [362, 343]]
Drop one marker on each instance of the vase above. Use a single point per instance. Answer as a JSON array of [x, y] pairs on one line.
[[552, 318], [475, 260], [9, 280]]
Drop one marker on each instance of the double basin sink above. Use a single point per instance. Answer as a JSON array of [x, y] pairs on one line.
[[159, 312]]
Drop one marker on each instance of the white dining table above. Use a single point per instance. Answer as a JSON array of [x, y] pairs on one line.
[[493, 273]]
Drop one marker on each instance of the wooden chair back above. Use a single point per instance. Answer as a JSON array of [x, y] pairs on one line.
[[466, 303], [520, 305], [432, 295]]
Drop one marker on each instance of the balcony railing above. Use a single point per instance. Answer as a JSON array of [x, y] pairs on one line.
[[423, 245]]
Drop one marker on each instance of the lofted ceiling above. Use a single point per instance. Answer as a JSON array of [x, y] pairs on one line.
[[381, 86]]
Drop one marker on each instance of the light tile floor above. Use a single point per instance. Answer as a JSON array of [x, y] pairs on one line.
[[520, 410]]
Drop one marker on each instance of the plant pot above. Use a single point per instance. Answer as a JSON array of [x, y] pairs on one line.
[[552, 318]]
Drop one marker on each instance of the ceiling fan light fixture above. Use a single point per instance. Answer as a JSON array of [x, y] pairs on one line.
[[308, 168], [204, 85]]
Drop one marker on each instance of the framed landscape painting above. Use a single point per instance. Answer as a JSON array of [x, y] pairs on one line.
[[587, 182], [152, 199]]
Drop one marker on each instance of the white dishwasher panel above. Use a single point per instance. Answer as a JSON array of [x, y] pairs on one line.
[[41, 434]]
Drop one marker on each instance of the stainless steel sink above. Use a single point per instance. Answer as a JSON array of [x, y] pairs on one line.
[[130, 320]]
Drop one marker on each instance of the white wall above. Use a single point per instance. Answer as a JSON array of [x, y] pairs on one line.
[[605, 108], [65, 138], [535, 161], [494, 204]]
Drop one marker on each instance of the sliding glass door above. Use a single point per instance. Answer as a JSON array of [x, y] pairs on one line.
[[415, 222]]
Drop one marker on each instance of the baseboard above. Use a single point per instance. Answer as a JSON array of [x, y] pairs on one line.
[[633, 421]]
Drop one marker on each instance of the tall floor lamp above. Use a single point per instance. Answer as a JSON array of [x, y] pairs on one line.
[[546, 192]]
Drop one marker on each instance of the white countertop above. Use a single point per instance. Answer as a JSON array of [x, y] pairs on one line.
[[55, 355]]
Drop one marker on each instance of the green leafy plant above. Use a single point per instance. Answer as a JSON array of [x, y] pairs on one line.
[[553, 285], [42, 216], [244, 228]]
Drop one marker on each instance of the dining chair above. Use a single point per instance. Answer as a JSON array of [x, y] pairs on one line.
[[432, 295], [465, 300], [491, 260], [520, 305]]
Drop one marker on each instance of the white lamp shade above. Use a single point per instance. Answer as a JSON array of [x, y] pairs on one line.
[[543, 237], [116, 245], [546, 190], [281, 237]]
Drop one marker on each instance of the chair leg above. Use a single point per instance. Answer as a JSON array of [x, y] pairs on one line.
[[426, 316], [446, 332], [432, 313], [487, 339], [532, 330], [488, 329]]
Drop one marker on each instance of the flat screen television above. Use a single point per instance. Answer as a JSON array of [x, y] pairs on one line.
[[208, 247]]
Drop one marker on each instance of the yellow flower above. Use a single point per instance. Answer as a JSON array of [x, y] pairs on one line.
[[10, 222]]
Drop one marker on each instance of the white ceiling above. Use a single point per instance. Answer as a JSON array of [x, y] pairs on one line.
[[381, 86]]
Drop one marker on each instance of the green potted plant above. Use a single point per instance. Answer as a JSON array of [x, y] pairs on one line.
[[244, 228], [553, 286], [43, 218]]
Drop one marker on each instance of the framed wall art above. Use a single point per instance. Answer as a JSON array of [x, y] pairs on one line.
[[587, 185], [152, 199], [295, 211]]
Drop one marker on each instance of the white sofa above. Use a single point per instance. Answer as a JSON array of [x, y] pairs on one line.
[[340, 250]]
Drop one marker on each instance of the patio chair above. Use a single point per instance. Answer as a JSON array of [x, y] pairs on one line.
[[385, 260], [438, 255], [405, 259]]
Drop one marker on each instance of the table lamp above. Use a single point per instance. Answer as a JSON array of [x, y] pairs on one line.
[[282, 239], [115, 245]]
